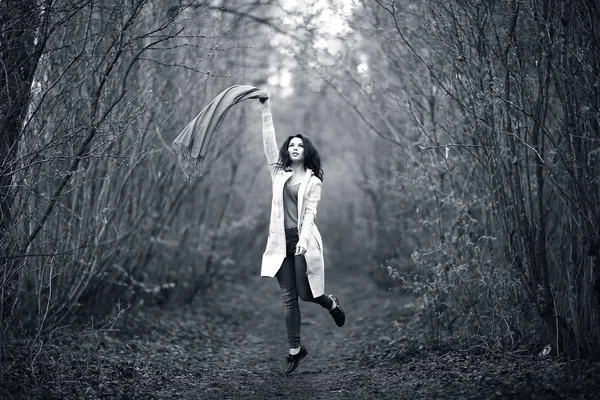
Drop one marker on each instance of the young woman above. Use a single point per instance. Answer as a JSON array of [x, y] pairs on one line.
[[294, 252]]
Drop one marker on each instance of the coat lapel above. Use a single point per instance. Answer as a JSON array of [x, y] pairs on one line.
[[301, 191], [283, 178]]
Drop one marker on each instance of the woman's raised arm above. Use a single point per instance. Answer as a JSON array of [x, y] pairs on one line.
[[269, 140]]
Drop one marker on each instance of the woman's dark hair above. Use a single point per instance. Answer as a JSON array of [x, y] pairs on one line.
[[311, 156]]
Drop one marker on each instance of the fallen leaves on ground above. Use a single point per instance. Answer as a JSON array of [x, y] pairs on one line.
[[230, 343]]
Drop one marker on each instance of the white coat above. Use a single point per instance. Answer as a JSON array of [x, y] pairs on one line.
[[309, 195]]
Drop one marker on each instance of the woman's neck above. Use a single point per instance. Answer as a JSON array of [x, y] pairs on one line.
[[298, 168]]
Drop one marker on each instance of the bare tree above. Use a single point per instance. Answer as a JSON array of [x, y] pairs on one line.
[[488, 107], [95, 210]]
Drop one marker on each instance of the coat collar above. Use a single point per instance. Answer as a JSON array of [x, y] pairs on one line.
[[287, 172], [307, 175]]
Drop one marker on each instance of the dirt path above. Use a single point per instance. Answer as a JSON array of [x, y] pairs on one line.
[[232, 345], [241, 352]]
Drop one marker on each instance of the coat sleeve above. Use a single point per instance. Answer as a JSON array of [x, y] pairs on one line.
[[314, 195], [270, 143]]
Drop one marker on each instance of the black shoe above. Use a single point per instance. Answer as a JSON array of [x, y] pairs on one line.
[[294, 360], [339, 316]]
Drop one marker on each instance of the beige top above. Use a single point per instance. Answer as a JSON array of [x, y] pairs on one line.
[[290, 205]]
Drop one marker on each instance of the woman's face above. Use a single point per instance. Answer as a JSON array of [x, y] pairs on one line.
[[296, 150]]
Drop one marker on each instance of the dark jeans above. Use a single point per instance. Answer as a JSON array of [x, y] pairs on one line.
[[293, 283]]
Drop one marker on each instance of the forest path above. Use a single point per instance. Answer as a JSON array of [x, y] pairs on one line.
[[231, 344], [241, 345]]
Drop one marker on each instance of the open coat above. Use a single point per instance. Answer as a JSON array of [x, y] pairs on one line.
[[309, 195]]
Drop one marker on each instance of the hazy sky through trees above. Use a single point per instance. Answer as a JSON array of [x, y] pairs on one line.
[[329, 22]]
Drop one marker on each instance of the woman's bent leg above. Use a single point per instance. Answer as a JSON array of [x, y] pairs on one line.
[[303, 285], [289, 294]]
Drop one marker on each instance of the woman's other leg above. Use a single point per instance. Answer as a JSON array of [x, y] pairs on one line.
[[303, 286], [289, 294]]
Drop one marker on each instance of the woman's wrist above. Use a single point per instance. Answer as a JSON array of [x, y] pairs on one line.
[[266, 107]]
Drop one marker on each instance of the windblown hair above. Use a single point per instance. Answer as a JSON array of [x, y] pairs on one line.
[[311, 156]]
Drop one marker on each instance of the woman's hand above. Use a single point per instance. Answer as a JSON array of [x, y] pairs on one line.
[[300, 251]]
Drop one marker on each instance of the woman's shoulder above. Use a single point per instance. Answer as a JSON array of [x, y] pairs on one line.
[[314, 180]]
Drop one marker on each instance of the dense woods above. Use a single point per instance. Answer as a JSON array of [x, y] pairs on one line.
[[460, 141], [503, 135]]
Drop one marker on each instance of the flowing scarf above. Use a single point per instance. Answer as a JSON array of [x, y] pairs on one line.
[[192, 144]]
